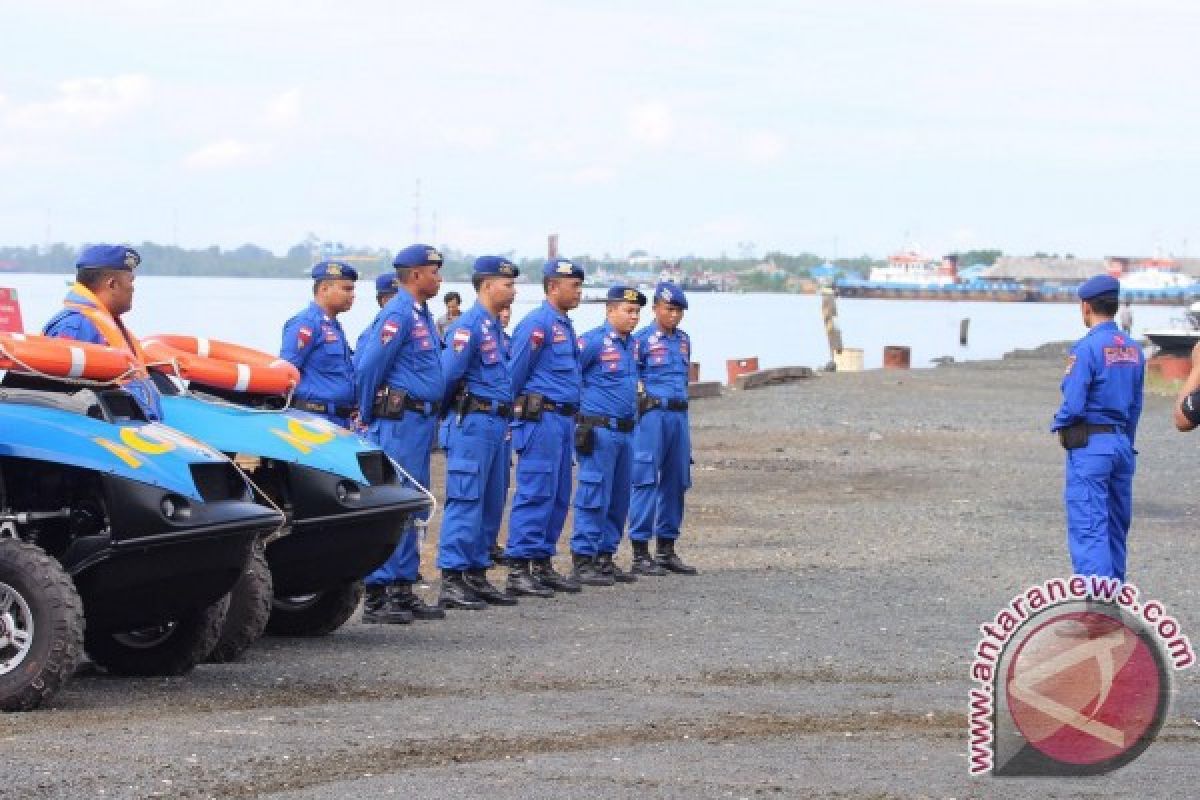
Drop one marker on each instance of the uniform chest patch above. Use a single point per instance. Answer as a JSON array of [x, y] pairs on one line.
[[560, 334]]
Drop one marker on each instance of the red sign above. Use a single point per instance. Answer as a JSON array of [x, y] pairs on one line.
[[10, 312]]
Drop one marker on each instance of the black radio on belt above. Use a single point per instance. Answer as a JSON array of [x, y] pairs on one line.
[[389, 403], [585, 438]]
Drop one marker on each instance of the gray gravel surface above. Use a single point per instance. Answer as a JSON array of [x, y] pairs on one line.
[[853, 530]]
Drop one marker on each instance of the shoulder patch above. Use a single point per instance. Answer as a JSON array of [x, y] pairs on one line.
[[537, 337], [1070, 364], [303, 337], [388, 330]]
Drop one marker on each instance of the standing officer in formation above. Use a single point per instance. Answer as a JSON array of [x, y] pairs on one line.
[[400, 390], [604, 439], [479, 400], [546, 382], [491, 525], [1097, 424], [315, 344], [662, 445]]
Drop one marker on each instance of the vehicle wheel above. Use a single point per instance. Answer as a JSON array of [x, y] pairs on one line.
[[41, 626], [249, 609], [315, 614], [172, 648]]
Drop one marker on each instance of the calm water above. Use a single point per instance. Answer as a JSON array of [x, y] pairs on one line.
[[781, 330]]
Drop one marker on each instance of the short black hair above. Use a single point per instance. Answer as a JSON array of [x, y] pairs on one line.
[[1105, 305], [93, 277], [453, 296]]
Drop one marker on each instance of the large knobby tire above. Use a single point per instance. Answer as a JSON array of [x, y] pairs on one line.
[[173, 648], [41, 626], [315, 614], [249, 610]]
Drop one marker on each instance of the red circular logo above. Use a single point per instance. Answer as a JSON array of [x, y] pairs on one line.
[[1085, 689]]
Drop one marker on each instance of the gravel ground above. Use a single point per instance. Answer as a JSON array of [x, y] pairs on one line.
[[852, 530]]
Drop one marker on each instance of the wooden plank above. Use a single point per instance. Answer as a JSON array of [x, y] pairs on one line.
[[769, 377]]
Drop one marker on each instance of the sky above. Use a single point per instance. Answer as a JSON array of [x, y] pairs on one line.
[[679, 128]]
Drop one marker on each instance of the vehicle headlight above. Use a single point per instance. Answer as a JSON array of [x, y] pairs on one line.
[[347, 491], [175, 508]]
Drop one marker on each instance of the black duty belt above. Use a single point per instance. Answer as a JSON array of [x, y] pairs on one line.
[[566, 409], [480, 405], [318, 407], [651, 403], [616, 423], [1102, 428], [422, 407]]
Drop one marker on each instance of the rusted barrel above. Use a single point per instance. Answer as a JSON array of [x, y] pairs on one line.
[[896, 356], [1170, 367], [693, 371], [740, 366]]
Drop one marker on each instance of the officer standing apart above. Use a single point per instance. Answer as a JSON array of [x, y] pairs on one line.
[[1097, 423], [604, 439], [400, 390], [92, 311], [662, 444], [479, 400], [546, 382], [315, 344]]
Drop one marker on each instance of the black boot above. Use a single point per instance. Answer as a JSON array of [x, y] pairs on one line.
[[643, 563], [666, 558], [543, 572], [379, 610], [457, 594], [522, 582], [477, 580], [608, 567], [587, 571], [402, 596]]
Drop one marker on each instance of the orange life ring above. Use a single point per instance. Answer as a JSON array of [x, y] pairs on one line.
[[222, 365], [64, 358]]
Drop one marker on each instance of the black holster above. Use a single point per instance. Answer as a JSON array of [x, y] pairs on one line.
[[1074, 436], [389, 403], [529, 407], [585, 438]]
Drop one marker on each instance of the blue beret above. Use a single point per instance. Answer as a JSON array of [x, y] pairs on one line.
[[108, 256], [327, 270], [496, 265], [562, 268], [626, 294], [386, 284], [669, 293], [1100, 284], [417, 255]]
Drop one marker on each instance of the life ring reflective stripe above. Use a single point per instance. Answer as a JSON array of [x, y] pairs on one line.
[[222, 365], [64, 358]]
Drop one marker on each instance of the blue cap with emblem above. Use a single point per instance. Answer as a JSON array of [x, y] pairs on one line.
[[386, 284], [108, 256], [417, 255], [331, 270], [562, 268], [669, 293], [496, 265], [1098, 285], [626, 294]]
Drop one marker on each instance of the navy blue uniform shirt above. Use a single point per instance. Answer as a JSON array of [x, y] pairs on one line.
[[315, 344], [610, 373], [544, 356], [663, 360], [476, 354], [402, 352], [1103, 384]]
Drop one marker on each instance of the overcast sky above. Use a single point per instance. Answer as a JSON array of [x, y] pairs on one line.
[[676, 127]]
